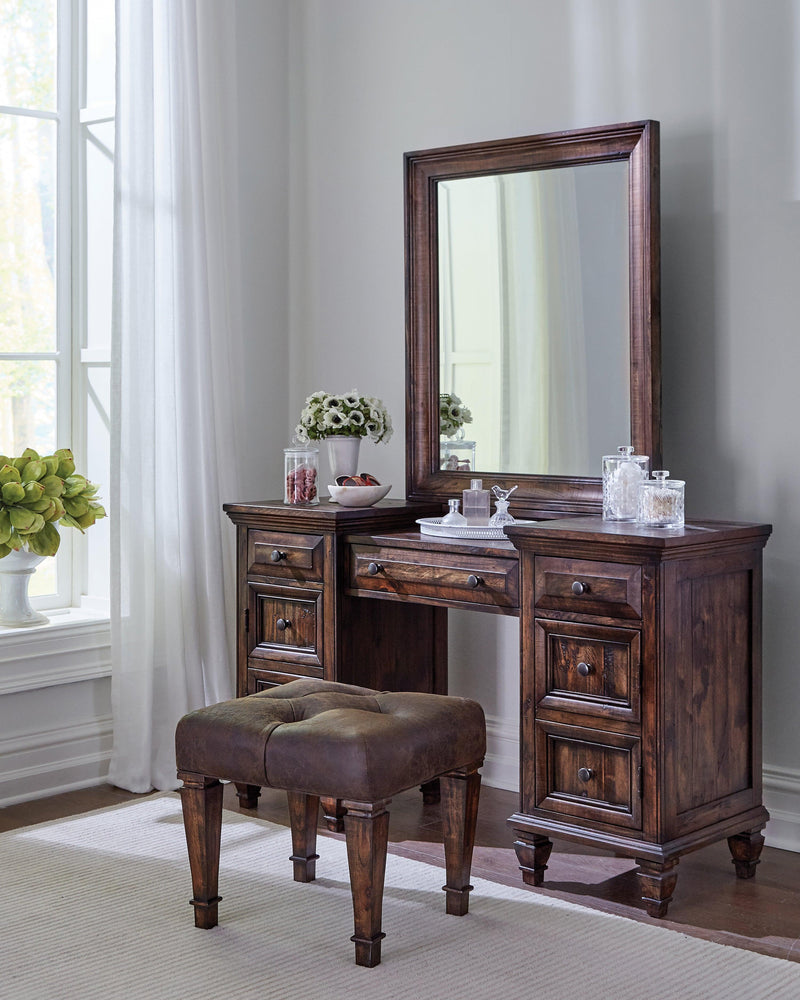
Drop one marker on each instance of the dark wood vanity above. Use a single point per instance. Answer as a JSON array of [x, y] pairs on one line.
[[640, 674]]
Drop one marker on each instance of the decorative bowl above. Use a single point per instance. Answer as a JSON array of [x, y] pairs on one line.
[[358, 496]]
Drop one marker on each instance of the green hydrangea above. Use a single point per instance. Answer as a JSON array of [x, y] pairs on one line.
[[39, 492]]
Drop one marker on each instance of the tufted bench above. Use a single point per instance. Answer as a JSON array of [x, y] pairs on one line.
[[322, 739]]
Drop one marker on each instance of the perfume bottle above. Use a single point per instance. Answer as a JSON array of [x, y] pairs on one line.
[[476, 503], [454, 516], [501, 516]]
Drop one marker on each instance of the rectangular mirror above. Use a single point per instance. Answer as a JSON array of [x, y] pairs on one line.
[[532, 271]]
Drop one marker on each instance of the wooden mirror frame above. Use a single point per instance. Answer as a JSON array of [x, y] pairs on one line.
[[538, 496]]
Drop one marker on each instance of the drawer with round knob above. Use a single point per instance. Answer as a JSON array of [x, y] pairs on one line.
[[442, 576], [586, 587], [283, 623], [588, 774], [591, 669], [284, 554]]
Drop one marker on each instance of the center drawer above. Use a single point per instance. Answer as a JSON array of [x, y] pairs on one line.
[[438, 577]]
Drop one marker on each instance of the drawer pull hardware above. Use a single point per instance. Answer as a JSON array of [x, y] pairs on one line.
[[580, 588], [374, 568], [584, 669], [585, 773], [276, 555], [474, 581], [282, 624]]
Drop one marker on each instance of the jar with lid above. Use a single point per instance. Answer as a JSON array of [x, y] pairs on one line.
[[622, 475], [301, 470], [661, 501]]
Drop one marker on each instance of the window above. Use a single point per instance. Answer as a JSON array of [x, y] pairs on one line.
[[56, 205]]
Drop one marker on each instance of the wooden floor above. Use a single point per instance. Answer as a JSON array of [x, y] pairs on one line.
[[760, 914]]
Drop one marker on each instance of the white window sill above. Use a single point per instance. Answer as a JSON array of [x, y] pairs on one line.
[[74, 645]]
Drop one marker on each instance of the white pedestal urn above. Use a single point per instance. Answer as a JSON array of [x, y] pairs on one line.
[[16, 570], [343, 455]]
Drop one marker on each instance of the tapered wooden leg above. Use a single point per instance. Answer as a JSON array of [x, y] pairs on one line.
[[533, 851], [746, 851], [460, 794], [657, 881], [366, 827], [201, 798], [248, 795], [303, 816], [334, 814]]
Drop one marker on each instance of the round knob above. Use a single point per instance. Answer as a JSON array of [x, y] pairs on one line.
[[282, 624], [579, 588], [374, 568], [474, 581], [584, 669], [276, 555], [585, 773]]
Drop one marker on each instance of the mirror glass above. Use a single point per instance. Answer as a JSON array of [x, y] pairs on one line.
[[533, 319]]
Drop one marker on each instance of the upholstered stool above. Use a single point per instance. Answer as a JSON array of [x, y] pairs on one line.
[[321, 739]]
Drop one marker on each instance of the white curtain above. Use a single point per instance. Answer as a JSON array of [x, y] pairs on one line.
[[175, 364]]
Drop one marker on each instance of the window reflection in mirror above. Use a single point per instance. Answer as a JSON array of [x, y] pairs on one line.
[[534, 315]]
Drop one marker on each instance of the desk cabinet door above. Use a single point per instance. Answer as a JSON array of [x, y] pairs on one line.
[[286, 625]]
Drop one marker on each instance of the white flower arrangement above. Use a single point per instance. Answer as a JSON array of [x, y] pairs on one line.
[[452, 414], [325, 415]]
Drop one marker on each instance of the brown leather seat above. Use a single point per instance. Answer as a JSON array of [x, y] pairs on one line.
[[317, 739]]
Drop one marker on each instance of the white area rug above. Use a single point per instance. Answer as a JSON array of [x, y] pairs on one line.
[[97, 906]]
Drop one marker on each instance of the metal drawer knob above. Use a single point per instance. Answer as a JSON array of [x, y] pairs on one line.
[[282, 624], [374, 568], [580, 588], [584, 669], [585, 773], [474, 581], [276, 555]]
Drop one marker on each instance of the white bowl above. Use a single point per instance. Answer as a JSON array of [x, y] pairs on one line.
[[358, 496]]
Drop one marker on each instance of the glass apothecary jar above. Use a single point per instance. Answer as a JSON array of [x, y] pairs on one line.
[[456, 455], [622, 475], [301, 471], [661, 501]]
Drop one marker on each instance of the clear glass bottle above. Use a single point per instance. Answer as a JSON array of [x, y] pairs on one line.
[[501, 516], [661, 501], [454, 515], [301, 471], [622, 475], [476, 503]]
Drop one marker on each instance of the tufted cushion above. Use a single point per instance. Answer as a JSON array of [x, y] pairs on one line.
[[330, 739]]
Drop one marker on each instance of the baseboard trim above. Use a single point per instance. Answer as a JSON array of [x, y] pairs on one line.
[[501, 765], [782, 799]]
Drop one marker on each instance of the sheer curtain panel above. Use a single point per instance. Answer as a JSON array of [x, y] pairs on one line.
[[175, 367]]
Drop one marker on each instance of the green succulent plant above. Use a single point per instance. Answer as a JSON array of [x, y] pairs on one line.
[[39, 492]]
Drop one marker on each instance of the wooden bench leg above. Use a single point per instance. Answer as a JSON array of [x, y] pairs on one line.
[[303, 816], [201, 798], [248, 795], [460, 795], [366, 827]]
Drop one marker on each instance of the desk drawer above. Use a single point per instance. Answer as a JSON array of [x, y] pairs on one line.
[[283, 554], [582, 586], [592, 669], [588, 774], [284, 623], [444, 577]]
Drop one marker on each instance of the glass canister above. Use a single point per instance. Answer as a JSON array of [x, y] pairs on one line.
[[456, 455], [661, 501], [301, 468], [622, 475]]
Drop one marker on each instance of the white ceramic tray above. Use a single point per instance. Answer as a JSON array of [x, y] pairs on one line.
[[434, 526]]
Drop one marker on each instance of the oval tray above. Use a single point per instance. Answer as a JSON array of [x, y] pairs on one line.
[[434, 526]]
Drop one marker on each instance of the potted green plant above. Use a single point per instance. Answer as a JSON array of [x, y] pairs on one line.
[[37, 494]]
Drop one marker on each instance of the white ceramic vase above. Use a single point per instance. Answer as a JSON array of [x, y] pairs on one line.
[[16, 570], [343, 455]]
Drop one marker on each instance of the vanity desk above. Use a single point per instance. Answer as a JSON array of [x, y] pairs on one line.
[[639, 659]]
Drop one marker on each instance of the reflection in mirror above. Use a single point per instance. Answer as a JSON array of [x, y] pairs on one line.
[[534, 318]]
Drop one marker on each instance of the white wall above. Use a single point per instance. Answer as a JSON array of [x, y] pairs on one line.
[[380, 77]]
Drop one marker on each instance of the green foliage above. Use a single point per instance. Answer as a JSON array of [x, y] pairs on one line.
[[38, 492]]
